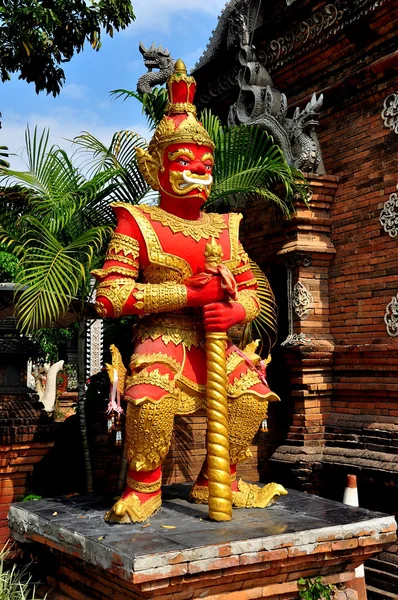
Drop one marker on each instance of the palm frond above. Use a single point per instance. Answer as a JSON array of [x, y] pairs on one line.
[[213, 125], [130, 186], [265, 324], [4, 154], [153, 104], [248, 165], [51, 273]]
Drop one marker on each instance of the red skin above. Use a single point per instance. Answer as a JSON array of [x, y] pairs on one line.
[[218, 314], [178, 205]]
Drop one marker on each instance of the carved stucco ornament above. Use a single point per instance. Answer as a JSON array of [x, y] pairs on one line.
[[389, 215], [391, 317], [389, 114], [302, 300], [295, 339], [260, 103]]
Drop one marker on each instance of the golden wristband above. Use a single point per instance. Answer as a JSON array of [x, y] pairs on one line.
[[160, 298], [249, 300]]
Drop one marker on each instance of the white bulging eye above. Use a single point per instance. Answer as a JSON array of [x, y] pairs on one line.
[[183, 162], [208, 167]]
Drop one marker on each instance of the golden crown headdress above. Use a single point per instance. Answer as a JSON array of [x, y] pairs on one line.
[[179, 124]]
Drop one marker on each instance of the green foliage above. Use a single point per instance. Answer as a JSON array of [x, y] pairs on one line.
[[248, 166], [153, 104], [31, 497], [4, 154], [55, 228], [15, 584], [37, 36], [97, 159], [314, 589], [8, 265], [49, 340]]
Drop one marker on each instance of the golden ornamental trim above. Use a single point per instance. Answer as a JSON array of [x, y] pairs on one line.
[[172, 330], [156, 273], [188, 403], [145, 488], [155, 252], [101, 310], [207, 226], [115, 270], [247, 283], [190, 130], [124, 243], [140, 360], [117, 281], [192, 385], [243, 269], [154, 377], [233, 361], [160, 298], [116, 293], [249, 300], [122, 259], [234, 222], [180, 107], [242, 383]]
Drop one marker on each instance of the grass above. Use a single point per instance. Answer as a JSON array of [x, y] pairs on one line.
[[15, 583]]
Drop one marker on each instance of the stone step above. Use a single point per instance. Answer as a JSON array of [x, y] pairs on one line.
[[382, 565], [376, 594], [381, 580]]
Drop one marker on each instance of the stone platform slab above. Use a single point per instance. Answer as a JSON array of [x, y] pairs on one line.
[[181, 554]]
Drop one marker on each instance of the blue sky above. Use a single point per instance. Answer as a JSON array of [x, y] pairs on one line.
[[84, 103]]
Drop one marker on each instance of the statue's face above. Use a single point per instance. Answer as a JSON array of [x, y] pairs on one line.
[[187, 171]]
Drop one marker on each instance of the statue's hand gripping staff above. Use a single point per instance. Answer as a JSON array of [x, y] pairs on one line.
[[219, 478]]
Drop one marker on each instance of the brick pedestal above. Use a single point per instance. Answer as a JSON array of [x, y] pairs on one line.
[[180, 555]]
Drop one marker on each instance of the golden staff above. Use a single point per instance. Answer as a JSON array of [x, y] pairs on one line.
[[219, 477]]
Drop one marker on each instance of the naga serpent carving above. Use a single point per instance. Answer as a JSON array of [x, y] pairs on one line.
[[155, 57], [260, 103]]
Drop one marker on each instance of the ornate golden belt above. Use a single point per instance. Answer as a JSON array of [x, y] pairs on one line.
[[176, 327]]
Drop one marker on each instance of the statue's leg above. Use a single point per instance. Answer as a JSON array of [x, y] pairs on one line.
[[245, 415], [149, 427]]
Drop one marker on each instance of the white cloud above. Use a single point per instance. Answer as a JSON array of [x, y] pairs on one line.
[[74, 91], [161, 15], [64, 124]]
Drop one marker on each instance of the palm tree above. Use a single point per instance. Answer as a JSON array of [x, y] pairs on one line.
[[54, 220]]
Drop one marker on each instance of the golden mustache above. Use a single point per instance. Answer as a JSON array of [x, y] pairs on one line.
[[181, 186]]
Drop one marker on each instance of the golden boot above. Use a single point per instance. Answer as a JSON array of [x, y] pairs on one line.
[[245, 414], [149, 428]]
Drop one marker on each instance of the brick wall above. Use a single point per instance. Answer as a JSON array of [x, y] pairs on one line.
[[26, 436]]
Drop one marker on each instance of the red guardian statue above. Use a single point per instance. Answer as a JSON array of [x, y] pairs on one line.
[[159, 266]]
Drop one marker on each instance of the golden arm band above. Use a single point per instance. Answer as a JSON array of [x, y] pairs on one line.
[[117, 291], [159, 298], [123, 243], [122, 259], [249, 300], [114, 270]]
